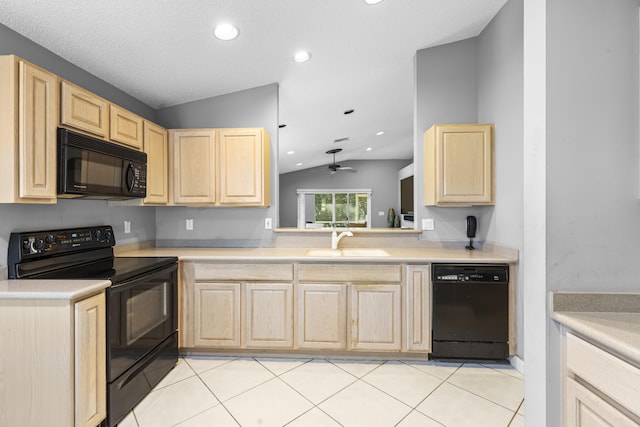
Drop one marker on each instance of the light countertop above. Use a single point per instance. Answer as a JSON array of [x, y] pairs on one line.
[[50, 289], [610, 320], [300, 254]]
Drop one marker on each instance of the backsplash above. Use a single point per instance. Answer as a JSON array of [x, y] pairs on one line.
[[76, 213]]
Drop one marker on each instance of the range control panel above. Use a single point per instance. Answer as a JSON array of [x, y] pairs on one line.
[[36, 244]]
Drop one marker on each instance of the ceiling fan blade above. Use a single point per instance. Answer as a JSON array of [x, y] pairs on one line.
[[347, 169]]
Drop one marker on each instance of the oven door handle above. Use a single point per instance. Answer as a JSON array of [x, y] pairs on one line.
[[121, 286]]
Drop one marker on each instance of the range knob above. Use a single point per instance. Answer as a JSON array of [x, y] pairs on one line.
[[107, 235], [50, 239], [26, 245], [38, 245], [97, 234]]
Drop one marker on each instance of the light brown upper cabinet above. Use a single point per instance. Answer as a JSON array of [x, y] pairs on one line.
[[125, 127], [220, 167], [29, 99], [244, 167], [458, 165], [194, 166], [156, 145], [84, 111]]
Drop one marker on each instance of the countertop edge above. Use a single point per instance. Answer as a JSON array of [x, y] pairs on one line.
[[397, 255], [51, 289], [596, 317]]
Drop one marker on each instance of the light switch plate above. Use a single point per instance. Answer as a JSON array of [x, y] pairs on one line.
[[267, 223], [189, 224], [127, 227]]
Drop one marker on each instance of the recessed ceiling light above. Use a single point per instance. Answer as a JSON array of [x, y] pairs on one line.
[[290, 152], [225, 32], [302, 56], [349, 111], [380, 133], [372, 1], [298, 164], [369, 148]]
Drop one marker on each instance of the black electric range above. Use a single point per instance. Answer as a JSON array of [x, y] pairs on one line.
[[141, 303]]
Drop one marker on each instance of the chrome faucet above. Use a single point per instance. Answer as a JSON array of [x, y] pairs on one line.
[[335, 238]]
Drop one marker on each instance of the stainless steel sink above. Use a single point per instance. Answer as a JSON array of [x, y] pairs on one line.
[[347, 252]]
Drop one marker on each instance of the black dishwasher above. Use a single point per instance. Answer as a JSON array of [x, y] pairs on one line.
[[470, 318]]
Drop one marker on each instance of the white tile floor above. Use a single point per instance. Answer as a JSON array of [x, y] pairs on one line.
[[228, 391]]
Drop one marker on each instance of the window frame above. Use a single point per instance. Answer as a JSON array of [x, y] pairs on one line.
[[333, 191]]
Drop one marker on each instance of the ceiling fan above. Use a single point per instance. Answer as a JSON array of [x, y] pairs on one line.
[[334, 167]]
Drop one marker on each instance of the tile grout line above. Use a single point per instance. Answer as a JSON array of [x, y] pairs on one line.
[[220, 402], [481, 397]]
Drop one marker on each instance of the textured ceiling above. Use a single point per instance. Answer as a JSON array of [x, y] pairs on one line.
[[163, 53]]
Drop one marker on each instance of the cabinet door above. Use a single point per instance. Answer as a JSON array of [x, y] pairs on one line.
[[584, 408], [418, 308], [125, 127], [37, 133], [90, 361], [268, 315], [83, 110], [217, 315], [244, 167], [194, 170], [321, 316], [459, 165], [375, 317], [156, 145]]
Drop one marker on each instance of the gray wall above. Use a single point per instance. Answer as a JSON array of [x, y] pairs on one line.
[[593, 212], [257, 107], [381, 176], [68, 213], [479, 80], [446, 92], [500, 101]]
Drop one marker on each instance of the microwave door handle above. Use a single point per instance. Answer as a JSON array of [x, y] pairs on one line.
[[130, 177]]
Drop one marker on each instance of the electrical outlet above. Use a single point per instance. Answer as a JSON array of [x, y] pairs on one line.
[[267, 223], [189, 224], [428, 224], [127, 227], [380, 213]]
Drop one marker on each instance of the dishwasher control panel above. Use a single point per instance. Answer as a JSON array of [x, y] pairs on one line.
[[485, 273]]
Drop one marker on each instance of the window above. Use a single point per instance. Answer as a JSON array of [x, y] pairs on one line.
[[334, 208]]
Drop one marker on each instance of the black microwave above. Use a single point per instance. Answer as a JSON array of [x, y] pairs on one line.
[[96, 169]]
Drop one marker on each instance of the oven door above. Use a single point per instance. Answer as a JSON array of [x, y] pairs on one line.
[[143, 312]]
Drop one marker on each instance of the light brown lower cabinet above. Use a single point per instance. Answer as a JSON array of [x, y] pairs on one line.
[[53, 362], [321, 316], [375, 316], [217, 315], [417, 308], [268, 321], [600, 388], [306, 306]]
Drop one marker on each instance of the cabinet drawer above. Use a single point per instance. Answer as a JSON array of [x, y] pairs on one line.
[[611, 375], [349, 273], [272, 272]]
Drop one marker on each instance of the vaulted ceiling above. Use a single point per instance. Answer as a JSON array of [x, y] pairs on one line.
[[163, 53]]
